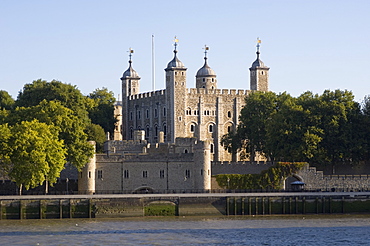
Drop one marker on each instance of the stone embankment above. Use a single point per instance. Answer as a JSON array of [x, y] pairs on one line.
[[205, 204]]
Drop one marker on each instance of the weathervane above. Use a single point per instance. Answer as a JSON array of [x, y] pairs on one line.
[[176, 41], [130, 51], [206, 48], [258, 44]]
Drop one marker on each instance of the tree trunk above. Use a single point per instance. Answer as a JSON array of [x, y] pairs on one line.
[[46, 187], [20, 189]]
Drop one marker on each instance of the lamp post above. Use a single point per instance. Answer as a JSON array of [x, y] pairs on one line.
[[67, 181]]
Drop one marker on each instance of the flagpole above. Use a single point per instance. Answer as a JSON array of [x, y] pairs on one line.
[[153, 65]]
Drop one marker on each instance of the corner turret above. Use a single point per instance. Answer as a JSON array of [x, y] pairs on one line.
[[259, 73], [206, 77]]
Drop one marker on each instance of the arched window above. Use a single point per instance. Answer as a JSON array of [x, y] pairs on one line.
[[210, 128], [229, 114], [147, 132], [192, 128], [228, 128]]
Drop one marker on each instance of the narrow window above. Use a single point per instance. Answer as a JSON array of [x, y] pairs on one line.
[[187, 173], [210, 128], [228, 114], [147, 113], [185, 151], [212, 148], [100, 174], [139, 114], [126, 174], [164, 111], [130, 115], [147, 132], [89, 174], [161, 174], [229, 129], [192, 128], [145, 174], [155, 113]]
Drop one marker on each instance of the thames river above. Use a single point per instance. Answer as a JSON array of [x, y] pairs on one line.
[[269, 230]]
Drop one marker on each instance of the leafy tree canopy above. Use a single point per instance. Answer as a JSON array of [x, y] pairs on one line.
[[102, 110], [36, 154], [69, 127]]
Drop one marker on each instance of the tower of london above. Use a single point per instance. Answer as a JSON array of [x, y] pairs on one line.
[[204, 112], [168, 140]]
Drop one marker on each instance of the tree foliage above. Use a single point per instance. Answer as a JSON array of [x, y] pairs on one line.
[[271, 178], [102, 110], [34, 154], [69, 127], [327, 128]]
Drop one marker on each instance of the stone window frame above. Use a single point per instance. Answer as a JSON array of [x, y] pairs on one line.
[[161, 174], [187, 174], [126, 174], [145, 174], [100, 174]]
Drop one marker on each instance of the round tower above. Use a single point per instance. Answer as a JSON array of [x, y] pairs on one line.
[[130, 86], [202, 165], [259, 73], [206, 77], [86, 179]]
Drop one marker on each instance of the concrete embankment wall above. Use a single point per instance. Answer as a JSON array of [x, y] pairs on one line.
[[216, 204]]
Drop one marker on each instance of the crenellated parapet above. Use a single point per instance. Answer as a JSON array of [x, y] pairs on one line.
[[150, 94], [203, 91]]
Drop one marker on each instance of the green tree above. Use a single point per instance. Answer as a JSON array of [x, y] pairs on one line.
[[68, 95], [4, 149], [250, 135], [36, 155], [68, 127], [6, 104], [289, 136], [102, 110], [6, 101], [96, 133]]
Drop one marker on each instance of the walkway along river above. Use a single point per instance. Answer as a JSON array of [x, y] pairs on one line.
[[200, 204]]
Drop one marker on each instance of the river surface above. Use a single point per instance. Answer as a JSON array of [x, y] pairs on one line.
[[270, 230]]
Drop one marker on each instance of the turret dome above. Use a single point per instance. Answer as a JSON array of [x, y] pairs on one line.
[[175, 63], [205, 70], [130, 72], [258, 62]]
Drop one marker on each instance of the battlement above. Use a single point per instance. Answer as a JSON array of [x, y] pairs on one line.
[[147, 94], [121, 146], [202, 91]]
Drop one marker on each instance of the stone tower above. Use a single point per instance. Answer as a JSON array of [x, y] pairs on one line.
[[130, 86], [259, 73], [175, 97], [206, 77]]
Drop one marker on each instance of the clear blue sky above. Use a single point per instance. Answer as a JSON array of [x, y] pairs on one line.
[[309, 45]]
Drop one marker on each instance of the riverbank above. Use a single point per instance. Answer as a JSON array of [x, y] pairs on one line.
[[200, 204]]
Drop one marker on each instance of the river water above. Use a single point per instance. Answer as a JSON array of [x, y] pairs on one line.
[[270, 230]]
